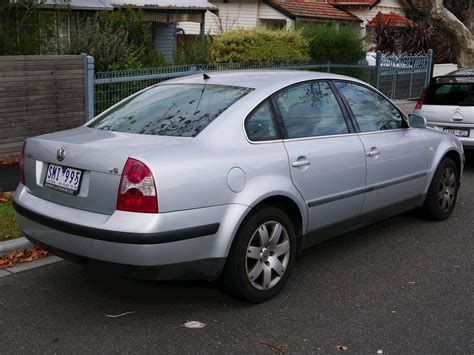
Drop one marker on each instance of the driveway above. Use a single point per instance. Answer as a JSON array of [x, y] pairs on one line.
[[403, 285]]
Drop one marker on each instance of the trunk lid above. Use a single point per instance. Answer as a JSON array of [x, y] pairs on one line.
[[100, 155]]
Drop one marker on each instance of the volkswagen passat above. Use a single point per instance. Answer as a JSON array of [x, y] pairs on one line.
[[231, 176]]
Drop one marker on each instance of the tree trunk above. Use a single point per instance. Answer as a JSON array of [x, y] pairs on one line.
[[460, 36]]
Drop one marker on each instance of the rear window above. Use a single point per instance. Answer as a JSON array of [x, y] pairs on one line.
[[452, 94], [180, 110]]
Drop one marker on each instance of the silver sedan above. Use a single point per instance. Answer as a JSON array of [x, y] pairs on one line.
[[231, 176]]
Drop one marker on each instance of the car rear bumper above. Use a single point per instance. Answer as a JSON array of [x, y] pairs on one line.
[[176, 245]]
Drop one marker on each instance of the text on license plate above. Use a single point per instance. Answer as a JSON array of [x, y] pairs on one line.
[[457, 132], [63, 178]]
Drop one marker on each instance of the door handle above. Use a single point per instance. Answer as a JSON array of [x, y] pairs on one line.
[[373, 152], [300, 163]]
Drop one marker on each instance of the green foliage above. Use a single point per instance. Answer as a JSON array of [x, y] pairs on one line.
[[245, 46], [117, 40], [24, 29], [335, 44], [193, 51], [8, 226]]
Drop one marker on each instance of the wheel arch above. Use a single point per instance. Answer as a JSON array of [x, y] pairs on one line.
[[456, 157], [292, 208]]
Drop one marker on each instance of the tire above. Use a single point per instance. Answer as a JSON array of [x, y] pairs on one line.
[[443, 191], [258, 265]]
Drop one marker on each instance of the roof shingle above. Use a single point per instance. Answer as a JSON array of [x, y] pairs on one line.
[[313, 9], [392, 18]]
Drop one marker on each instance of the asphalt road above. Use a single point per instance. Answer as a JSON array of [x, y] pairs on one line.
[[402, 286]]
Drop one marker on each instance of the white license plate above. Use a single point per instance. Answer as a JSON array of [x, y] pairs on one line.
[[457, 132], [63, 179]]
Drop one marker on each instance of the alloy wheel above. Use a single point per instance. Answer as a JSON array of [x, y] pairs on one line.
[[447, 189], [268, 254]]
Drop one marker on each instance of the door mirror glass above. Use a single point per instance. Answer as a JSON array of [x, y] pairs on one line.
[[416, 121]]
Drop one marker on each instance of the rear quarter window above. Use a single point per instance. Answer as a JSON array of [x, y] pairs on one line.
[[450, 94], [180, 110]]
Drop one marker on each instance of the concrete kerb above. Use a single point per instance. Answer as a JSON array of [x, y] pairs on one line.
[[18, 244]]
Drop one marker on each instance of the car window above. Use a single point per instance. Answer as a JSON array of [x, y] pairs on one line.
[[309, 110], [260, 125], [372, 111], [452, 94], [182, 110]]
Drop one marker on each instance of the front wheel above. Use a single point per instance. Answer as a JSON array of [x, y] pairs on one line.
[[262, 256], [442, 194]]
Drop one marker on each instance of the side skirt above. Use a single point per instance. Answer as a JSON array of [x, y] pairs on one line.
[[317, 236]]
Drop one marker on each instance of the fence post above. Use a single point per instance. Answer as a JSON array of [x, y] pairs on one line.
[[329, 66], [89, 85], [378, 60], [430, 66]]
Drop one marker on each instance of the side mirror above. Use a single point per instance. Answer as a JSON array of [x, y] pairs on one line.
[[416, 121]]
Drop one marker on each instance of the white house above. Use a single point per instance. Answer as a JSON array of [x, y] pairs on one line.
[[247, 14]]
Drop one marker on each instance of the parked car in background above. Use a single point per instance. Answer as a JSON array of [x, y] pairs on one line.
[[230, 175], [448, 105]]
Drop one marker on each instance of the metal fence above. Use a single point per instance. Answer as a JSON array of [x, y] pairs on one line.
[[400, 77]]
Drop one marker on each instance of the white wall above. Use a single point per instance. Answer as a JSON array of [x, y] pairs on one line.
[[384, 6], [443, 69], [234, 15]]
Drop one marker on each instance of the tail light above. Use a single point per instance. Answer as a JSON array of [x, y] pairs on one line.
[[421, 101], [22, 164], [137, 189]]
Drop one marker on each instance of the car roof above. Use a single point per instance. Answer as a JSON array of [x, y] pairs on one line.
[[462, 72], [464, 75], [257, 78]]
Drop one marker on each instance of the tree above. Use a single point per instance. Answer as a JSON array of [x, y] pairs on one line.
[[460, 35]]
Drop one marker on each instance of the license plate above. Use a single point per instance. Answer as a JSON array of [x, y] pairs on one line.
[[457, 132], [63, 179]]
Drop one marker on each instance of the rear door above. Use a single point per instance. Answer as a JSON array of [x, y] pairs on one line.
[[397, 157], [326, 157]]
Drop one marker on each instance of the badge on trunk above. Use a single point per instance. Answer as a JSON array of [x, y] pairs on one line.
[[61, 154]]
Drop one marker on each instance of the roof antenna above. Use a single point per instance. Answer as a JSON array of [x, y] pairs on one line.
[[204, 75]]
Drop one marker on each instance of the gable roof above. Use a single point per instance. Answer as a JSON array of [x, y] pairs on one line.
[[201, 5], [369, 3], [311, 10], [392, 18]]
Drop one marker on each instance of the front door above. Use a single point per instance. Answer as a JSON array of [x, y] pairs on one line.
[[326, 160], [397, 157]]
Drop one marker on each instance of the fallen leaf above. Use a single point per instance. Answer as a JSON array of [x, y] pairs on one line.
[[193, 324], [118, 315], [358, 305], [341, 348], [14, 257]]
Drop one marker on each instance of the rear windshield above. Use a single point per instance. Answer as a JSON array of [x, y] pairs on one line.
[[180, 110], [452, 94]]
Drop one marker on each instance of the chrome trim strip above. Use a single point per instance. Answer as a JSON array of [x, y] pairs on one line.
[[359, 191]]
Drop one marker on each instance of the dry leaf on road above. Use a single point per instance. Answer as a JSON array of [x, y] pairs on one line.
[[14, 257], [341, 348]]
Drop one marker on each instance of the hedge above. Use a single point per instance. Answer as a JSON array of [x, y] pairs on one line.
[[259, 45]]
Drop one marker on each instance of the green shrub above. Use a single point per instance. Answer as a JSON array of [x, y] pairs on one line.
[[193, 51], [244, 46], [24, 28], [117, 40], [329, 43]]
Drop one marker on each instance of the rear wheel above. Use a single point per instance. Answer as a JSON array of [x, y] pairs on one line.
[[442, 194], [262, 255]]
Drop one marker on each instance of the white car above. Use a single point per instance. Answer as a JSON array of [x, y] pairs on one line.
[[448, 105]]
